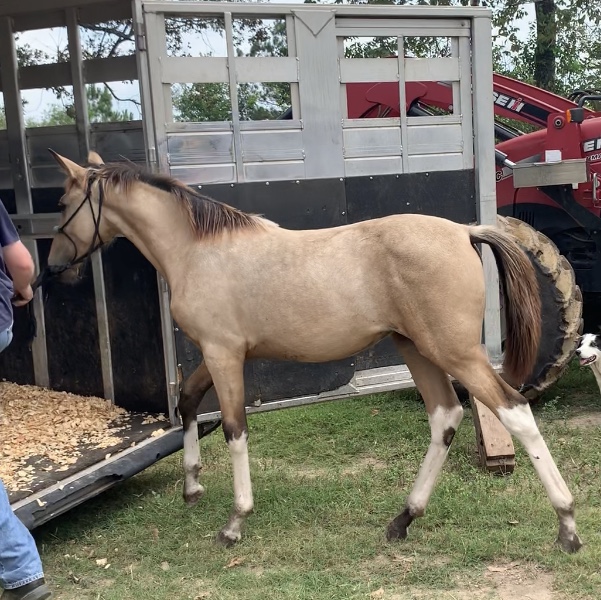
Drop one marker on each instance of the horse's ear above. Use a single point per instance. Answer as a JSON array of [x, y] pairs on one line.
[[73, 170], [94, 158]]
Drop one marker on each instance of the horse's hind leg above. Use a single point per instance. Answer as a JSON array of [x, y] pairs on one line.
[[444, 413], [514, 412], [195, 387]]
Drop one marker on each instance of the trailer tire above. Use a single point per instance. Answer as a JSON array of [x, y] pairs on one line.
[[561, 301], [562, 305]]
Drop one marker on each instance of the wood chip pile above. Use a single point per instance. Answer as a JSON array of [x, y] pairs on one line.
[[53, 427]]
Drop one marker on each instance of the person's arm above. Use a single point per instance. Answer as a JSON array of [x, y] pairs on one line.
[[21, 268], [17, 258]]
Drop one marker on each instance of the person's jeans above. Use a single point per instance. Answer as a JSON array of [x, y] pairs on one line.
[[20, 562]]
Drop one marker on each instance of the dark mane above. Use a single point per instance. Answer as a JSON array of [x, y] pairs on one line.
[[207, 216]]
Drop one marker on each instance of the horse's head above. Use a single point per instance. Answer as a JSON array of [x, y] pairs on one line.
[[82, 227]]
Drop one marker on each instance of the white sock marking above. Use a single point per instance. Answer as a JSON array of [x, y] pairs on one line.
[[191, 460], [440, 420], [243, 496], [520, 422]]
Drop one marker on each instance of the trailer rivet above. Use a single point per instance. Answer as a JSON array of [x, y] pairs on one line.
[[267, 183]]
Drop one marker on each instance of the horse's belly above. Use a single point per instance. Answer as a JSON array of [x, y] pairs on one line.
[[316, 348]]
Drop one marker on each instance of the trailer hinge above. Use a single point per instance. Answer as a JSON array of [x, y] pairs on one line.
[[164, 286], [141, 37], [152, 155]]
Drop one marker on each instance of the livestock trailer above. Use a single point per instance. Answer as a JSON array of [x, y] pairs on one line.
[[112, 335]]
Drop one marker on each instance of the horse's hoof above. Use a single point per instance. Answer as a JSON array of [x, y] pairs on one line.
[[227, 539], [396, 531], [193, 496], [570, 544]]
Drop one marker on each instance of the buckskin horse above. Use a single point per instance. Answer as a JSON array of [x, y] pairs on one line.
[[243, 287]]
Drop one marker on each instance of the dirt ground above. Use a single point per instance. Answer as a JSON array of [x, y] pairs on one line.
[[503, 581]]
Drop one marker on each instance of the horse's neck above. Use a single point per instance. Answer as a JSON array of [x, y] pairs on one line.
[[157, 226]]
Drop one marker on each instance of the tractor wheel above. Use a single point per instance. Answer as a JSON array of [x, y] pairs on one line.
[[561, 306]]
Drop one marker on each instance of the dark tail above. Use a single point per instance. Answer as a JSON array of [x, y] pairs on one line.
[[523, 303]]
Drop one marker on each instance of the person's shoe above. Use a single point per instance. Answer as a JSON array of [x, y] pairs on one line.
[[36, 590]]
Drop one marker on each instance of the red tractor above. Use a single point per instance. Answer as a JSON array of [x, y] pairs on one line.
[[568, 214]]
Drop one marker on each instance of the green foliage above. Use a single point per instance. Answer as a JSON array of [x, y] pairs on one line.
[[100, 110], [574, 33], [566, 40], [561, 52], [100, 107], [201, 102]]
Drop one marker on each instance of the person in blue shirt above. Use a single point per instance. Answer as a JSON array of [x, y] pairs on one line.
[[21, 573]]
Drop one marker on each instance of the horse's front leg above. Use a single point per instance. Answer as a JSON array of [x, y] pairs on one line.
[[195, 387], [228, 377]]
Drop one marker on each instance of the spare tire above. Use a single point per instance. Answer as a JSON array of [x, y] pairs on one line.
[[561, 302]]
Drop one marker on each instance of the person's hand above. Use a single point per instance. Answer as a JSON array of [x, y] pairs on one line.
[[23, 297]]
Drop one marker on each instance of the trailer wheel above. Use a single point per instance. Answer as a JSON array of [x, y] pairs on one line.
[[561, 306]]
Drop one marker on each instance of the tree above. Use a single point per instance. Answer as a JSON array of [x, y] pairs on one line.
[[100, 107], [202, 102], [256, 101], [561, 52], [100, 110], [546, 44]]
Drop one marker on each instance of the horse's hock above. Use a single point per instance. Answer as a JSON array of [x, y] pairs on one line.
[[305, 166]]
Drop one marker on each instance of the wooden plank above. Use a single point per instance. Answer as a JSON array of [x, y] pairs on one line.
[[495, 445]]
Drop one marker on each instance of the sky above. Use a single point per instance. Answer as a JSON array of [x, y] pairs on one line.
[[48, 40]]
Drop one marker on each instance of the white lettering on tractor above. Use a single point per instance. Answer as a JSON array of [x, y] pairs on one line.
[[591, 145], [503, 173], [508, 102]]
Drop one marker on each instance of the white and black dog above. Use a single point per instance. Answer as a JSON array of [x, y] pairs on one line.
[[589, 354]]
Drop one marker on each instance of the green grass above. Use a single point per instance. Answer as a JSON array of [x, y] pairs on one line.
[[327, 479]]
